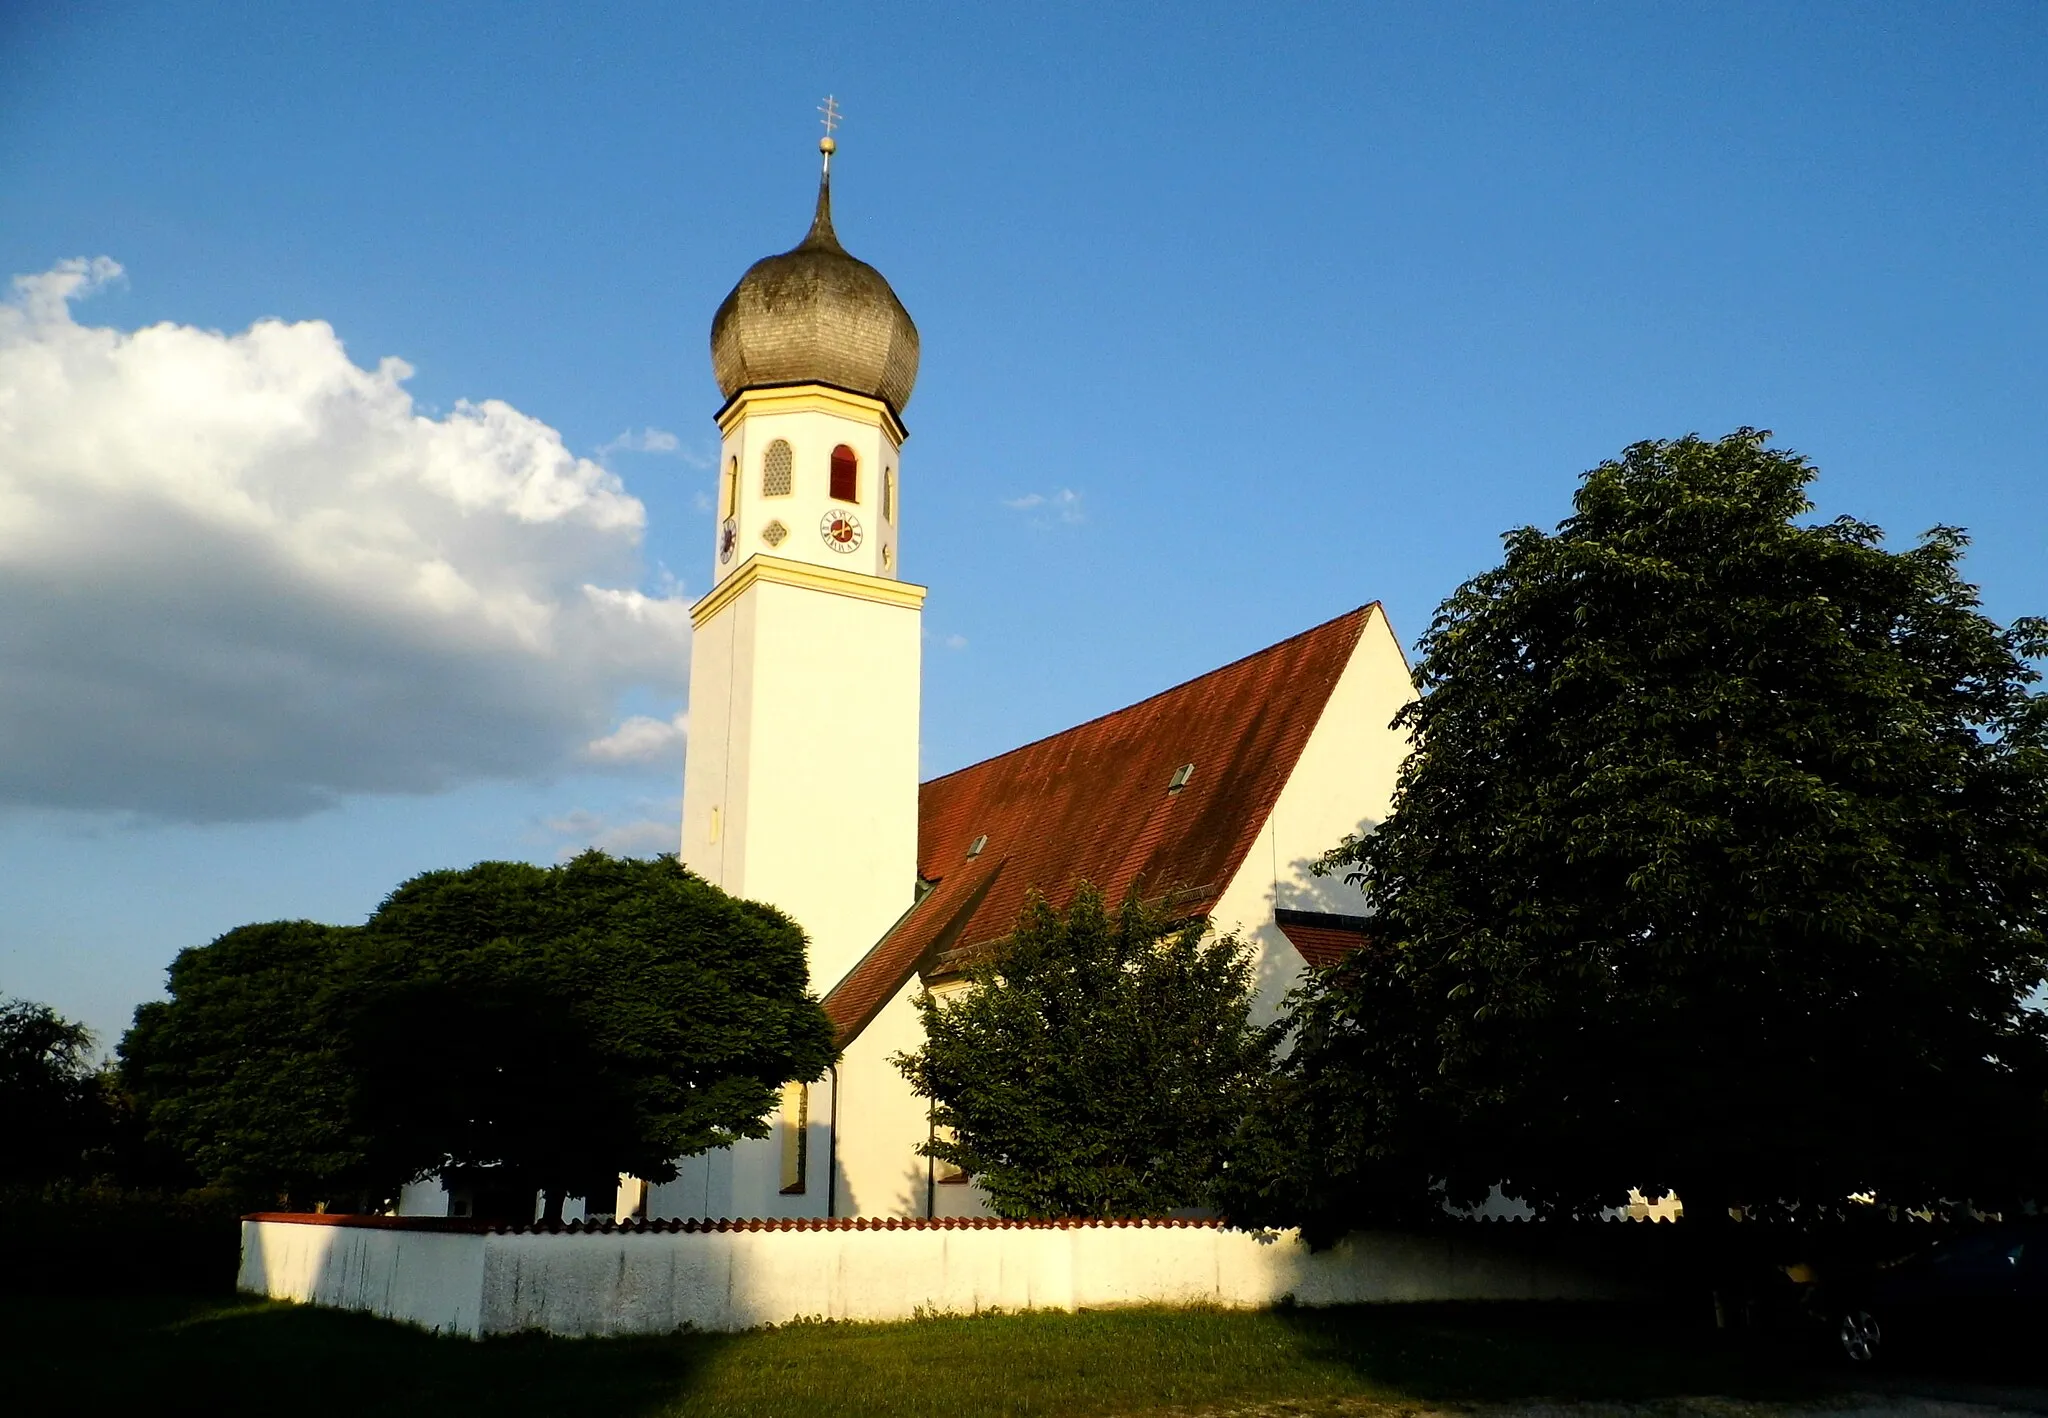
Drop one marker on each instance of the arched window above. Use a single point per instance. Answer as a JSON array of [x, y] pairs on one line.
[[888, 494], [845, 475], [729, 495], [777, 475]]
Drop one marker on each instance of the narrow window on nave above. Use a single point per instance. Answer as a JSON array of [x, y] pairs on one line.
[[778, 476], [796, 1120], [845, 475]]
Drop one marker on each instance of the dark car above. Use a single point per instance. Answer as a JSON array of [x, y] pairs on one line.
[[1987, 1287]]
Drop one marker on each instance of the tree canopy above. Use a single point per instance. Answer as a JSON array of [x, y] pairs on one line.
[[551, 1025], [54, 1105], [241, 1071], [1720, 865], [1096, 1064]]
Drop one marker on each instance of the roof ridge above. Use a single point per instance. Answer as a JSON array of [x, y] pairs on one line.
[[1161, 694]]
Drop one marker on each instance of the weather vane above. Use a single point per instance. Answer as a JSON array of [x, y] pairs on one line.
[[830, 108]]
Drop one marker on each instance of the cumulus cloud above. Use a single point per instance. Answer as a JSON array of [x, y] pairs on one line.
[[244, 576], [647, 440], [1064, 505], [629, 836], [641, 740]]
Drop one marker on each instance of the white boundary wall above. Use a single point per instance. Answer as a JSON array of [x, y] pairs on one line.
[[732, 1276]]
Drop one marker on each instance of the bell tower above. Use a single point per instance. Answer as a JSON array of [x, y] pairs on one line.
[[800, 786]]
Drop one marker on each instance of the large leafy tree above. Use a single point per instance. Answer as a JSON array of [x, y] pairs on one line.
[[55, 1107], [545, 1027], [562, 1025], [1720, 865], [243, 1072], [1096, 1064]]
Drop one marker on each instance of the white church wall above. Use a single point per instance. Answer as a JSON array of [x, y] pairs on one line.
[[745, 1179], [645, 1280], [881, 1122], [423, 1197], [1342, 783]]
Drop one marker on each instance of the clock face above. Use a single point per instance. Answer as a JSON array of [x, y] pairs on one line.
[[841, 530], [728, 538]]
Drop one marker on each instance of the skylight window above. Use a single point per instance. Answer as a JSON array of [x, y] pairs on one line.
[[974, 847], [1180, 777]]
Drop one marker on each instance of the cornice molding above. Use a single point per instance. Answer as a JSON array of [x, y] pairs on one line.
[[811, 398], [775, 571]]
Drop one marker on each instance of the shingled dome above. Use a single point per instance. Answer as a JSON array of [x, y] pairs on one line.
[[815, 315]]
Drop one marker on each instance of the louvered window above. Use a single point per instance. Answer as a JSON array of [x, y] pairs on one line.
[[778, 478]]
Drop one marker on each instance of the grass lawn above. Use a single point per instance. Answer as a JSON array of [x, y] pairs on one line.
[[133, 1356]]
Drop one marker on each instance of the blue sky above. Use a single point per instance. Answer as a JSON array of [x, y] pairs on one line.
[[1233, 318]]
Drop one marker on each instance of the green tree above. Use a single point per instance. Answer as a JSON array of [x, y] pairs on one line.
[[54, 1105], [1097, 1064], [243, 1070], [558, 1026], [1720, 865], [548, 1026]]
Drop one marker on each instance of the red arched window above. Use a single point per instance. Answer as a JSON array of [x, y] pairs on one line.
[[845, 475]]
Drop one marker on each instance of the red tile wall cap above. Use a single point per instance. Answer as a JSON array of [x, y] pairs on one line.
[[711, 1224]]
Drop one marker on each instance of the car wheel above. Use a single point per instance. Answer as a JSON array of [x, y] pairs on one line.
[[1861, 1336]]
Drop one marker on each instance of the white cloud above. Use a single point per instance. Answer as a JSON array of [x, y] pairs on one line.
[[642, 836], [639, 740], [956, 642], [647, 440], [243, 576], [1064, 505]]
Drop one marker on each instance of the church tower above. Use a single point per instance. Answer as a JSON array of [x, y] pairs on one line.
[[800, 788]]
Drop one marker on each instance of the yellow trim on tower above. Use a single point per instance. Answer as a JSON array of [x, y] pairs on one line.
[[811, 399], [777, 572]]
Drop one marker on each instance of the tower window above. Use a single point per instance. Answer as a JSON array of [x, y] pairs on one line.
[[845, 475], [729, 495], [777, 476], [888, 494]]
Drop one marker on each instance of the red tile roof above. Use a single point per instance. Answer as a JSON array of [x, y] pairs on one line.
[[1092, 804], [1322, 939]]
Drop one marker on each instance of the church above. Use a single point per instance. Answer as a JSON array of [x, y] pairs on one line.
[[801, 785], [1214, 797]]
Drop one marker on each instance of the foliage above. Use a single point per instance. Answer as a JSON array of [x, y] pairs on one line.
[[242, 1070], [69, 1238], [54, 1106], [570, 1023], [1720, 865], [552, 1025], [1096, 1064]]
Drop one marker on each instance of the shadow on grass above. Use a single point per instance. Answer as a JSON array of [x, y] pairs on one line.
[[1479, 1353], [168, 1355], [225, 1356]]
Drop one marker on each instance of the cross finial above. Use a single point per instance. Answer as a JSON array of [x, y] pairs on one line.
[[830, 108]]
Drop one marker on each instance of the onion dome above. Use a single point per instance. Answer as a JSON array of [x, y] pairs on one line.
[[815, 315]]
